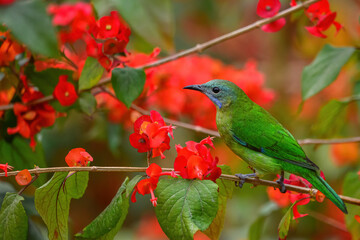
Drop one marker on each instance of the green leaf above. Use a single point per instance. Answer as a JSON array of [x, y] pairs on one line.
[[19, 154], [52, 201], [185, 206], [109, 222], [91, 73], [226, 189], [284, 224], [87, 103], [152, 20], [351, 188], [324, 69], [13, 219], [30, 24], [128, 83], [130, 186], [330, 118]]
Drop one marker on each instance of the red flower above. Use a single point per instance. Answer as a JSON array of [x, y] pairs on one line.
[[323, 24], [274, 26], [23, 177], [5, 168], [78, 157], [148, 185], [151, 134], [195, 161], [281, 199], [65, 92], [31, 118], [268, 8], [111, 27], [6, 2], [9, 49]]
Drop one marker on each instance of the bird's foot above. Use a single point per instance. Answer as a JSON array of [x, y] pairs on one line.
[[242, 178], [280, 181]]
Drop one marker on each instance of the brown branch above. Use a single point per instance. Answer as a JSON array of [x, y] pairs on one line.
[[196, 49], [254, 181]]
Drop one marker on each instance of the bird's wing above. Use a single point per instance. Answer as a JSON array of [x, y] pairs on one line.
[[266, 135]]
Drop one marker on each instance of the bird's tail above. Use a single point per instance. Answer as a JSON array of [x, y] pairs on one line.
[[320, 184]]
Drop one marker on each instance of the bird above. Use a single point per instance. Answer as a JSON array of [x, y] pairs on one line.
[[259, 139]]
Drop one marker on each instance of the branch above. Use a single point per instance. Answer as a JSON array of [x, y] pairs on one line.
[[196, 49], [254, 181]]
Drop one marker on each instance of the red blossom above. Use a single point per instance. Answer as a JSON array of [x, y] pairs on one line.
[[5, 167], [9, 49], [274, 26], [78, 157], [23, 177], [196, 162], [65, 92], [151, 134], [268, 8]]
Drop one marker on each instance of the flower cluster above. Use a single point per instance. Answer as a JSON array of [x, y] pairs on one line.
[[267, 9], [196, 162], [151, 134], [78, 157], [284, 199]]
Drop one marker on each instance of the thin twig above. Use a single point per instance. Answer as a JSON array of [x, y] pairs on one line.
[[254, 181], [196, 49]]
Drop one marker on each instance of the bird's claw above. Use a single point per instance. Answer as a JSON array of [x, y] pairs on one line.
[[282, 187], [242, 178]]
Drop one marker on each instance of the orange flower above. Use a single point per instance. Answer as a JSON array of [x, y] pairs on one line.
[[78, 157], [23, 177]]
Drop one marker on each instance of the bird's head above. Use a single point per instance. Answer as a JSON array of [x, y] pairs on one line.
[[221, 92]]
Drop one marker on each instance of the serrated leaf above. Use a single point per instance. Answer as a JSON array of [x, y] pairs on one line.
[[91, 73], [52, 201], [31, 25], [130, 186], [330, 119], [87, 103], [284, 224], [128, 83], [109, 222], [185, 206], [351, 188], [226, 189], [13, 219], [152, 20], [20, 155], [324, 69]]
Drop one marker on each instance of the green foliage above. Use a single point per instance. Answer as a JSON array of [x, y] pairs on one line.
[[284, 224], [226, 189], [13, 219], [19, 154], [52, 201], [87, 103], [30, 24], [91, 74], [256, 228], [128, 83], [324, 69], [330, 118], [351, 188], [132, 183], [152, 20], [108, 223], [186, 206]]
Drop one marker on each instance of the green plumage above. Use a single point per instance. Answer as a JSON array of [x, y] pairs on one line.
[[258, 138]]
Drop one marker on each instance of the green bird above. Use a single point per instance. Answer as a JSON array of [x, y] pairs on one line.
[[259, 139]]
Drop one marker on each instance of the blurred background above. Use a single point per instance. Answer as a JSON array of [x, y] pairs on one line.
[[267, 65]]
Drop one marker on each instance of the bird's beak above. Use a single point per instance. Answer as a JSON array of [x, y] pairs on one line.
[[194, 87]]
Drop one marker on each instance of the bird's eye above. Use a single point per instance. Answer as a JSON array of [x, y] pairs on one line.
[[216, 89]]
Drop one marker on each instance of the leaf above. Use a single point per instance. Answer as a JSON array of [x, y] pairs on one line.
[[284, 224], [30, 24], [13, 219], [324, 69], [87, 103], [91, 74], [109, 222], [185, 206], [52, 201], [130, 186], [19, 154], [330, 118], [128, 83], [152, 20], [351, 188], [226, 189]]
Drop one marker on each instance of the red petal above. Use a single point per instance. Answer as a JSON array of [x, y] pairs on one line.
[[153, 170], [140, 142], [157, 118], [196, 167], [315, 31], [23, 177], [274, 26], [268, 8]]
